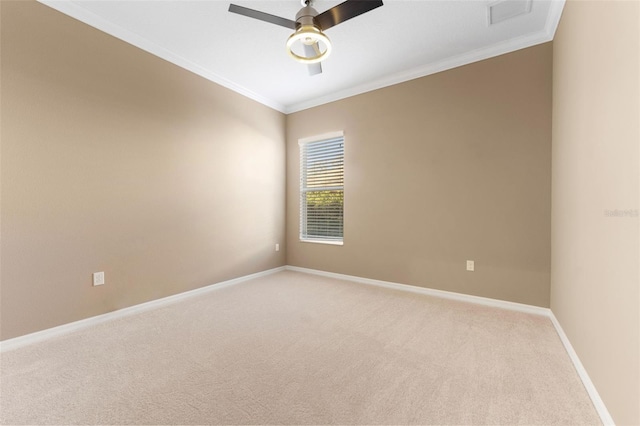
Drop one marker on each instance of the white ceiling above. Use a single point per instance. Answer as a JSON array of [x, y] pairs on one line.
[[402, 40]]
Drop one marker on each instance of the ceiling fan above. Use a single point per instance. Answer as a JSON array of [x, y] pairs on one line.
[[308, 44]]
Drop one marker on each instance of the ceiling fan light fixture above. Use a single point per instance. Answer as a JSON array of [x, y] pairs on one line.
[[309, 35]]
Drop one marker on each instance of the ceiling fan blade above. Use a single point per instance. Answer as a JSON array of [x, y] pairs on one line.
[[311, 51], [345, 11], [251, 13]]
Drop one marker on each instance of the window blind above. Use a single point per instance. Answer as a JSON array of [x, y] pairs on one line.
[[322, 190]]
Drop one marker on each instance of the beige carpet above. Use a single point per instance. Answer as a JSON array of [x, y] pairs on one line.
[[293, 348]]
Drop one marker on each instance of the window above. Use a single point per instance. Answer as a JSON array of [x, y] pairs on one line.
[[322, 188]]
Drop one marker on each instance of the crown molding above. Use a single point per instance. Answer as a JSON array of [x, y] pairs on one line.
[[553, 19], [73, 10], [76, 11]]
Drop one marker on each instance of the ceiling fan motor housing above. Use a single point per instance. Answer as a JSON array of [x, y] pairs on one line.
[[309, 33], [309, 26], [305, 16]]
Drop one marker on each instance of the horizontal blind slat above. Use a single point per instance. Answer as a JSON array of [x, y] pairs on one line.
[[322, 189]]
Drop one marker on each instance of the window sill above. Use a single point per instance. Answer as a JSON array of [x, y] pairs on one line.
[[328, 242]]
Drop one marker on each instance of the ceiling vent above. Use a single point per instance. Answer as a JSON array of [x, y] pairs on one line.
[[507, 9]]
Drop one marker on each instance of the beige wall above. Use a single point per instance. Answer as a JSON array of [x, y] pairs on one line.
[[115, 160], [594, 279], [438, 170]]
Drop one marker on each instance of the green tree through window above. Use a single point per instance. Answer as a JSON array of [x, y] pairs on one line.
[[322, 190]]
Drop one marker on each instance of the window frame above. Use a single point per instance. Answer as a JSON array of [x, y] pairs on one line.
[[302, 190]]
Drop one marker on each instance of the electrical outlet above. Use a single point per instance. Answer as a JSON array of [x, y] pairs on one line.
[[98, 278], [471, 265], [277, 247]]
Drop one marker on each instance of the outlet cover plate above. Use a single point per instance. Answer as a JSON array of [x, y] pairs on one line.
[[98, 278]]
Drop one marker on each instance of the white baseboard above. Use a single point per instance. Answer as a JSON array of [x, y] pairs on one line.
[[39, 336], [582, 373], [586, 380], [49, 333], [503, 304]]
